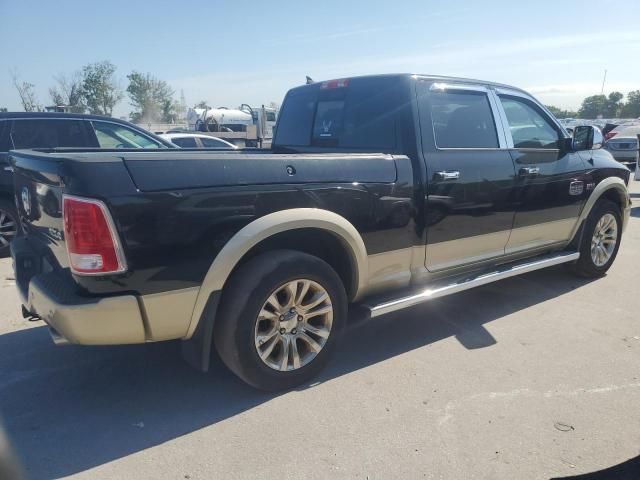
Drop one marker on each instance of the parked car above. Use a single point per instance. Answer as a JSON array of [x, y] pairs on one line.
[[381, 192], [624, 145], [50, 130], [197, 140]]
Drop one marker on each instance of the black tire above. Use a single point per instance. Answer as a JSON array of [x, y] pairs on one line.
[[585, 266], [242, 300], [7, 211]]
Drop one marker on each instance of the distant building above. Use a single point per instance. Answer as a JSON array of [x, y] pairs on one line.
[[58, 109]]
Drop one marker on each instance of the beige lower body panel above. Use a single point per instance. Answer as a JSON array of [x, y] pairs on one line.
[[453, 253], [389, 270], [167, 315], [109, 321], [123, 319], [535, 236]]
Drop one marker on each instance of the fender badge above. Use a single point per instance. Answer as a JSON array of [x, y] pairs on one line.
[[576, 187]]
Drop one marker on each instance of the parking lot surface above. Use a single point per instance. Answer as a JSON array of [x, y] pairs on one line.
[[532, 377]]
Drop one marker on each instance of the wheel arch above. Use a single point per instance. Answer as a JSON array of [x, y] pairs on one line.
[[611, 188], [270, 228]]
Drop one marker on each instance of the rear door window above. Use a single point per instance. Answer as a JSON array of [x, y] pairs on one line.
[[185, 142], [112, 135], [5, 145], [49, 133], [463, 119], [213, 143]]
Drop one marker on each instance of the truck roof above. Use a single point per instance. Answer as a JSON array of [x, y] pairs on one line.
[[79, 116], [440, 78]]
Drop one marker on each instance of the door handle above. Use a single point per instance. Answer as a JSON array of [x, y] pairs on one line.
[[447, 175], [529, 171]]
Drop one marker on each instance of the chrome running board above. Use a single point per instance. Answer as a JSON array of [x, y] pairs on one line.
[[482, 278]]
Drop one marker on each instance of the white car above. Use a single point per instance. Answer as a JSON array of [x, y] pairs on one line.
[[197, 140], [623, 145]]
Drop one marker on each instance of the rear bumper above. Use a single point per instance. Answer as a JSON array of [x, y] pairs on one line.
[[104, 321], [112, 320]]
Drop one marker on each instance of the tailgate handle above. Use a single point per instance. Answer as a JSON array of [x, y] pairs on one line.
[[447, 175]]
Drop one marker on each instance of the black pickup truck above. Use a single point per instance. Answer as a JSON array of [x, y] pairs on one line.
[[379, 193]]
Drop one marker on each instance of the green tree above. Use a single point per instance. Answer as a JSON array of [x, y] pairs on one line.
[[151, 98], [614, 105], [202, 104], [559, 113], [68, 92], [631, 109], [3, 109], [100, 88], [593, 106]]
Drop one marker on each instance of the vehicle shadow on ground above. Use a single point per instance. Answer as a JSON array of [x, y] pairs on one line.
[[68, 409], [629, 470]]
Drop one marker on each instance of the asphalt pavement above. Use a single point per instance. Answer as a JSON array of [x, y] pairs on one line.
[[532, 377]]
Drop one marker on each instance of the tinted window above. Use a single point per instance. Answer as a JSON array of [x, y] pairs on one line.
[[213, 143], [360, 115], [112, 135], [463, 120], [4, 137], [271, 116], [185, 142], [48, 134], [296, 118], [529, 128]]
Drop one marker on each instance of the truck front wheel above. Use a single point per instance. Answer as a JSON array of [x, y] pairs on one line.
[[600, 240], [280, 318]]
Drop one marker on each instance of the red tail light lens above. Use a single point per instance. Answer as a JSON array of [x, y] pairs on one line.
[[341, 83], [91, 238], [609, 135]]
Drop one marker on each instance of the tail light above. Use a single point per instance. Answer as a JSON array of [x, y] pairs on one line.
[[609, 135], [91, 238], [330, 84]]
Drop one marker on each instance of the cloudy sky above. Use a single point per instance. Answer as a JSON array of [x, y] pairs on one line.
[[229, 53]]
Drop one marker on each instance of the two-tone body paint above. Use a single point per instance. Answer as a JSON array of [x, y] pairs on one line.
[[175, 212]]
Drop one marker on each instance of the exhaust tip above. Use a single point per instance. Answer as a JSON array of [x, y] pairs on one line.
[[31, 316]]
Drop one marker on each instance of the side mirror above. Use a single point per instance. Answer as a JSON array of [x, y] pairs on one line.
[[586, 137]]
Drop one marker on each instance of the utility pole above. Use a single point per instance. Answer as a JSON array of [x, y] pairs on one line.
[[604, 79]]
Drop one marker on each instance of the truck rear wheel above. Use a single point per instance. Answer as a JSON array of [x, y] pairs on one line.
[[280, 318], [600, 240]]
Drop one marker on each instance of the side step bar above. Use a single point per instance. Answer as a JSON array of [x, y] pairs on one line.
[[502, 272]]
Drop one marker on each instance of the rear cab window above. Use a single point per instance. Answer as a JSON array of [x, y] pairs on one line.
[[359, 114]]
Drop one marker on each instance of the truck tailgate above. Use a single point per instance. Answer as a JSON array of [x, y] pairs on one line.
[[153, 172]]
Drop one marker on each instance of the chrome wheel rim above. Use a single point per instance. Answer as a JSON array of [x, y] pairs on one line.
[[293, 325], [604, 240], [8, 228]]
